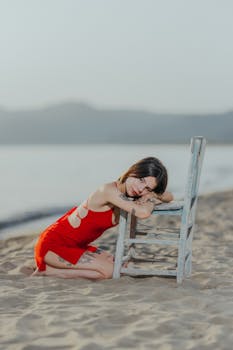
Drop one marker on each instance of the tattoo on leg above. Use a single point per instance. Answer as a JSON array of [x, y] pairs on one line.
[[99, 251], [85, 258], [67, 263]]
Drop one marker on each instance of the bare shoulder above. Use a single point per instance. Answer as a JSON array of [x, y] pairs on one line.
[[107, 191], [99, 199], [108, 188], [110, 192]]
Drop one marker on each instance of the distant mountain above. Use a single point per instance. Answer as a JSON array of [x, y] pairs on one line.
[[78, 123]]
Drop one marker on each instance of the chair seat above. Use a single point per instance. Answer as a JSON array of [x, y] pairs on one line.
[[172, 208], [174, 205]]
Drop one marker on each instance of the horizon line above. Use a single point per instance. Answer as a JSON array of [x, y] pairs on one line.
[[44, 106]]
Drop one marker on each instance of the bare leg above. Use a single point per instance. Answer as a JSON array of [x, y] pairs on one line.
[[69, 273], [98, 265]]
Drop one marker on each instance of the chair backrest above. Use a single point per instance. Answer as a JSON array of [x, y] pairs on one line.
[[197, 146]]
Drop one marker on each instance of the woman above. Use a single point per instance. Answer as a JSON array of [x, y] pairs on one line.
[[63, 249]]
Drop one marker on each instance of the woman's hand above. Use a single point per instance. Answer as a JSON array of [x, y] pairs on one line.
[[149, 197], [156, 198]]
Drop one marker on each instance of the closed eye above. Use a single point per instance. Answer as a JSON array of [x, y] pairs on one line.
[[142, 179], [148, 189]]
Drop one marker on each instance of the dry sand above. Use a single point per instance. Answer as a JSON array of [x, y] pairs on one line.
[[129, 313]]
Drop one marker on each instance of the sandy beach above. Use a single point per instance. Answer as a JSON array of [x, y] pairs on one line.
[[129, 313]]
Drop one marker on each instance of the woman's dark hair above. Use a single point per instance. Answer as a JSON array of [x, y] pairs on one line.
[[149, 166]]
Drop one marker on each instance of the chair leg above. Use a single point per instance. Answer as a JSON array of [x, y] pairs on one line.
[[120, 244], [181, 256], [188, 266], [132, 234], [180, 270], [188, 257]]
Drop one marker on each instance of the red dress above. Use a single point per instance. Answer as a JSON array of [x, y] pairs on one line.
[[69, 236]]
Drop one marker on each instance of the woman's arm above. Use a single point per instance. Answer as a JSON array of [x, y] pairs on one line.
[[141, 209], [165, 197]]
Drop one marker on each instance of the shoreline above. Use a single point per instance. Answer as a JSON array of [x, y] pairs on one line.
[[145, 313]]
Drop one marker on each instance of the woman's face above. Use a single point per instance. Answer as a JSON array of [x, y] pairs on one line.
[[137, 187]]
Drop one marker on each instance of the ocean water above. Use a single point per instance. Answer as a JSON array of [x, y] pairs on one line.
[[44, 177]]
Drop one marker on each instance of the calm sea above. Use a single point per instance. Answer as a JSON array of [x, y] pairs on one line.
[[41, 177]]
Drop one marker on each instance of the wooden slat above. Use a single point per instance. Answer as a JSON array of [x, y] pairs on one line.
[[151, 241], [140, 272], [159, 233], [168, 212]]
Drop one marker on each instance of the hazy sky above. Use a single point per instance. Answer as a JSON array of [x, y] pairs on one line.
[[167, 55]]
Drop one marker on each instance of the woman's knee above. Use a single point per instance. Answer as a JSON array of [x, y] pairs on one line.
[[106, 270]]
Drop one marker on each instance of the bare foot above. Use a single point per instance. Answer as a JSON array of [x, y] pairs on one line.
[[27, 270], [38, 273]]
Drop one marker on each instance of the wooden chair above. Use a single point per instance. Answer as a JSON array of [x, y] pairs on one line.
[[179, 238]]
